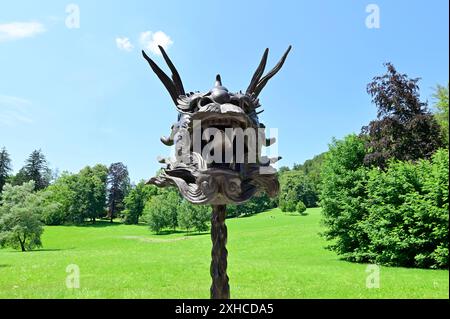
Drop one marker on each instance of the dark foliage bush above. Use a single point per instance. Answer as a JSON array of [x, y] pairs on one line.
[[404, 129], [397, 216], [407, 222]]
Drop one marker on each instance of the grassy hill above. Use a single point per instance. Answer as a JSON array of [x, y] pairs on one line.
[[271, 255]]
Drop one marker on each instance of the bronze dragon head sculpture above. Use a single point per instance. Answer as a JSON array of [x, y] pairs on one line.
[[218, 139]]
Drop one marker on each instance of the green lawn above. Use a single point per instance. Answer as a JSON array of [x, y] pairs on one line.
[[271, 255]]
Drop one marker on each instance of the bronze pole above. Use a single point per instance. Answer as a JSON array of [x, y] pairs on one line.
[[219, 287]]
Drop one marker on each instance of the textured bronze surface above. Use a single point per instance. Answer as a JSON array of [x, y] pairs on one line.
[[219, 287], [201, 181]]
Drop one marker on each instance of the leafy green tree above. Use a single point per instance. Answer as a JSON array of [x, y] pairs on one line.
[[407, 224], [255, 205], [194, 217], [405, 129], [295, 186], [60, 197], [20, 210], [289, 201], [135, 201], [99, 179], [300, 207], [19, 178], [155, 214], [343, 197], [52, 214], [76, 197], [36, 169], [283, 169], [161, 211], [89, 198], [172, 202], [312, 168], [185, 213], [397, 216], [5, 167], [118, 187], [441, 105]]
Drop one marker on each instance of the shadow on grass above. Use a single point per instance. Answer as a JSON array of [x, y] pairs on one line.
[[296, 214], [4, 265], [53, 249], [99, 224], [245, 215], [106, 223], [197, 233], [42, 250], [178, 231]]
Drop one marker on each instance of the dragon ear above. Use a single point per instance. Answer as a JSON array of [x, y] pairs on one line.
[[174, 86], [258, 83]]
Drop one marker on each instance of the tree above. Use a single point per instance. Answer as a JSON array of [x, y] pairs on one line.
[[19, 217], [52, 213], [76, 197], [257, 204], [407, 221], [193, 216], [118, 186], [5, 167], [441, 106], [300, 207], [343, 197], [59, 198], [135, 201], [161, 211], [154, 214], [288, 201], [404, 129], [89, 197], [36, 169], [295, 186], [395, 216], [19, 178], [312, 168], [283, 169]]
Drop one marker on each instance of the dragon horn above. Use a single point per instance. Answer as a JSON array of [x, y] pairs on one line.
[[262, 83], [174, 87], [258, 73]]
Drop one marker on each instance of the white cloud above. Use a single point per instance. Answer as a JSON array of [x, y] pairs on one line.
[[124, 44], [20, 30], [14, 110], [150, 41]]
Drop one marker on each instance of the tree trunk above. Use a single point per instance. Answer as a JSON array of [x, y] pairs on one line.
[[112, 212], [22, 244], [219, 287]]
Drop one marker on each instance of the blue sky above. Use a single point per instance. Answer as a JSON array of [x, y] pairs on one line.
[[85, 95]]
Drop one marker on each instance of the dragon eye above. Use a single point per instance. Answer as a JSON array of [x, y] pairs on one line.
[[235, 102], [246, 105], [204, 101], [242, 102]]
